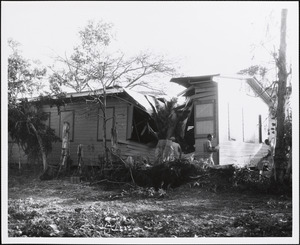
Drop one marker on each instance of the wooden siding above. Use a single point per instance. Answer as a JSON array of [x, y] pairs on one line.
[[236, 116], [131, 148], [85, 133], [242, 154], [206, 91]]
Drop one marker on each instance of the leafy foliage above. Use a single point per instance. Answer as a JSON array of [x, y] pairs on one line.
[[255, 70], [249, 180], [26, 124], [165, 118], [258, 225], [20, 119], [23, 80]]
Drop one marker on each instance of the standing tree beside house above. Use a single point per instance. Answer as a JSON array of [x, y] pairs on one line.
[[94, 67], [280, 154], [26, 122], [280, 92]]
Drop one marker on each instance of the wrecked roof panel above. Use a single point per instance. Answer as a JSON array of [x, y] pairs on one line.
[[261, 92], [140, 100]]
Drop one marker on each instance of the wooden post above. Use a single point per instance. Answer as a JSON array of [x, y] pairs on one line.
[[79, 159], [65, 152]]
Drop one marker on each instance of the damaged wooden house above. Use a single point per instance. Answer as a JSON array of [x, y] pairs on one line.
[[128, 112], [236, 111]]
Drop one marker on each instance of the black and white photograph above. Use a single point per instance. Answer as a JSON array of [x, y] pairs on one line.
[[149, 122]]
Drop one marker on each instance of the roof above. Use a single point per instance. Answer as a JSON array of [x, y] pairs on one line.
[[143, 101], [110, 90], [188, 81]]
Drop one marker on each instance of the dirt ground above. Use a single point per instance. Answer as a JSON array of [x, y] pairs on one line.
[[60, 208]]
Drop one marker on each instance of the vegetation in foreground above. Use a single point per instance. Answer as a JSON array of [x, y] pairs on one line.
[[199, 208]]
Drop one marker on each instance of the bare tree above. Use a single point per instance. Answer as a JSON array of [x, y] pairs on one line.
[[95, 67]]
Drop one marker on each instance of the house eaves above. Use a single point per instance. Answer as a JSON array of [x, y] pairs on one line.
[[142, 101], [112, 90], [188, 81]]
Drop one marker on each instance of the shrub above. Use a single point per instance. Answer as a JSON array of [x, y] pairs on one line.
[[246, 179]]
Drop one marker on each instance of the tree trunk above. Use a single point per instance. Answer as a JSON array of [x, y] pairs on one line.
[[104, 125], [43, 152], [280, 159]]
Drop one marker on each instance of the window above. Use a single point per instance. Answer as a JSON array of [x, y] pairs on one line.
[[109, 123], [140, 127], [67, 116], [204, 110], [205, 127], [205, 118]]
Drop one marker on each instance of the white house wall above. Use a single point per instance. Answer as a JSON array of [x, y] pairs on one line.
[[239, 111]]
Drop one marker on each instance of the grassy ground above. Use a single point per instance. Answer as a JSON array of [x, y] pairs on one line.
[[59, 208]]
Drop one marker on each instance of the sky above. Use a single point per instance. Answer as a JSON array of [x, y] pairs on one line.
[[199, 37]]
